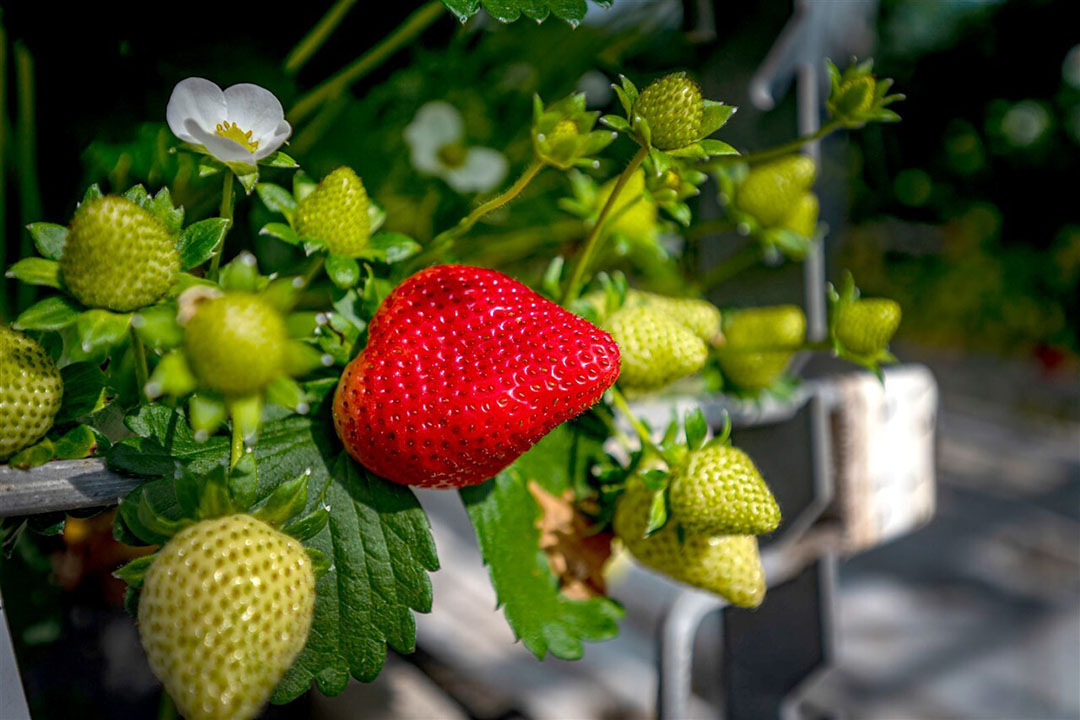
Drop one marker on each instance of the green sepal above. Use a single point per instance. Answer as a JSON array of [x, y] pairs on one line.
[[658, 513], [157, 327], [288, 500], [343, 271], [244, 482], [277, 199], [696, 428], [320, 564], [172, 376], [161, 207], [92, 193], [97, 331], [655, 479], [279, 159], [308, 526], [156, 523], [715, 116], [49, 239], [248, 177], [301, 359], [287, 393], [36, 271], [134, 573], [214, 495], [303, 186], [376, 215], [616, 123], [552, 282], [207, 413], [242, 274], [281, 231], [390, 247], [52, 313], [246, 412]]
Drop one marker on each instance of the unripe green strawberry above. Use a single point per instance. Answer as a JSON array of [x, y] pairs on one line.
[[236, 343], [673, 108], [803, 217], [865, 327], [751, 370], [719, 491], [633, 214], [30, 392], [700, 316], [655, 349], [771, 189], [336, 212], [226, 606], [117, 255], [765, 328], [728, 565], [760, 343]]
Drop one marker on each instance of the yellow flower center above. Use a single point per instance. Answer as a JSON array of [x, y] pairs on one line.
[[452, 155], [232, 131]]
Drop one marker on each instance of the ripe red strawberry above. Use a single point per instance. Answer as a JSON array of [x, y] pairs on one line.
[[466, 369]]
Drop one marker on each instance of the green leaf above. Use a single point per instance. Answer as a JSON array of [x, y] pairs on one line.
[[52, 313], [380, 546], [84, 391], [75, 444], [572, 11], [343, 271], [33, 456], [198, 241], [504, 514], [49, 239], [164, 439], [36, 271]]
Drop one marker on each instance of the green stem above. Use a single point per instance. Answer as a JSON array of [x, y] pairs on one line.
[[445, 240], [742, 259], [501, 199], [312, 272], [3, 168], [26, 158], [405, 33], [142, 371], [709, 227], [227, 213], [592, 241], [166, 708], [639, 427], [314, 40], [236, 448], [763, 155]]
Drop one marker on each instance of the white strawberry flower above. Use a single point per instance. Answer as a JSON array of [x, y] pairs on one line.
[[239, 125], [436, 141]]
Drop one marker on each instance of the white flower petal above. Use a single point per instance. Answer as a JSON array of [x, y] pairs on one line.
[[223, 149], [196, 100], [253, 108], [436, 124], [483, 170], [269, 145]]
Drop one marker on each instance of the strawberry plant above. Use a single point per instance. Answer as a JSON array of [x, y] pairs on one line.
[[280, 405]]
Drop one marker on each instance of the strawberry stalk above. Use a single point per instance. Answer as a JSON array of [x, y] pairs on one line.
[[445, 240], [639, 427], [227, 213], [592, 242], [774, 152], [138, 350], [331, 88], [318, 35]]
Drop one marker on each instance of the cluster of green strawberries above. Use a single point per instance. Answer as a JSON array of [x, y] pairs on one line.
[[226, 603]]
